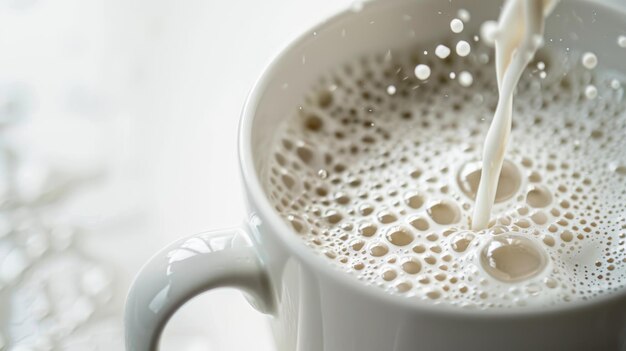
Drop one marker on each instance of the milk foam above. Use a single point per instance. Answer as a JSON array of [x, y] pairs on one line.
[[381, 181]]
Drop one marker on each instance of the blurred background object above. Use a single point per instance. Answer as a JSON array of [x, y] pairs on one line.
[[118, 124]]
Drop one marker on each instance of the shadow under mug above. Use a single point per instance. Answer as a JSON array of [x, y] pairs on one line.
[[316, 307]]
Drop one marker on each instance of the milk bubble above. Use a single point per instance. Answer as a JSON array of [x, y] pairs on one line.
[[512, 257], [509, 181], [444, 212]]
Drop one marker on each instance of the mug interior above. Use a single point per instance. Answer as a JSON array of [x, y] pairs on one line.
[[393, 25]]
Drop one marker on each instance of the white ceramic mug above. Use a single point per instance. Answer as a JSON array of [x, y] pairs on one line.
[[316, 307]]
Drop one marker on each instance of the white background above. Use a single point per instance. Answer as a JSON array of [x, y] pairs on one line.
[[227, 46], [147, 94]]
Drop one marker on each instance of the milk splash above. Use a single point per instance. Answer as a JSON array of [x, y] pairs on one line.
[[517, 39]]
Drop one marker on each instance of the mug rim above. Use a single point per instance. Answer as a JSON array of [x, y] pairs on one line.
[[295, 245]]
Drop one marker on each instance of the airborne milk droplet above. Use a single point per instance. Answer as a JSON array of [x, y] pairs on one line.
[[442, 51], [615, 84], [589, 60], [465, 79], [463, 48], [488, 32], [464, 15], [456, 25], [422, 72], [591, 92]]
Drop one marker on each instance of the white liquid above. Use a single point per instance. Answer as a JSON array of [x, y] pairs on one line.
[[422, 72], [463, 48], [464, 15], [378, 171], [517, 41], [442, 51], [465, 79], [591, 92], [589, 60], [456, 25]]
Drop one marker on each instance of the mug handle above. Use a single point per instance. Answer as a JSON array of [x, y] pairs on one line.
[[189, 267]]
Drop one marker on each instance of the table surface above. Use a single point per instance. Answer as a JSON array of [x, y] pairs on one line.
[[126, 112]]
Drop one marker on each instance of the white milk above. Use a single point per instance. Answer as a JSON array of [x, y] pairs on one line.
[[519, 35], [379, 170]]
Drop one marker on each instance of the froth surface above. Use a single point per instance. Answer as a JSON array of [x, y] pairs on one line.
[[377, 172]]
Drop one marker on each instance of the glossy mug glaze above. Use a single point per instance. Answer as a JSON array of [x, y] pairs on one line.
[[315, 306]]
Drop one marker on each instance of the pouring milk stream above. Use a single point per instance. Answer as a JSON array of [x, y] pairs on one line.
[[517, 40]]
